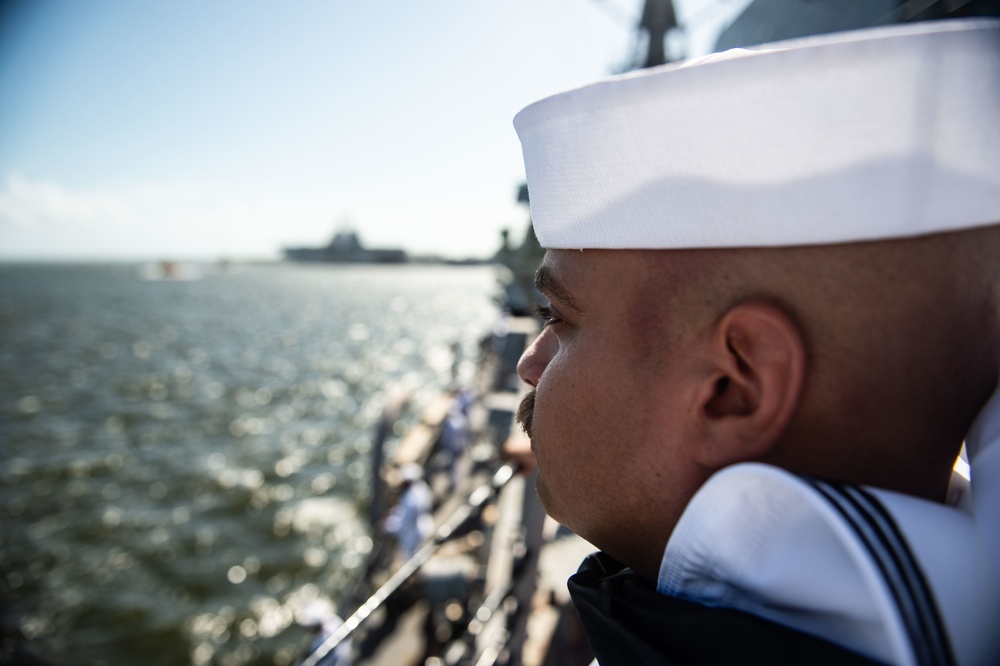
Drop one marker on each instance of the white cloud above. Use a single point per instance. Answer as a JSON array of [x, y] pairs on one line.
[[43, 204], [42, 219], [45, 220]]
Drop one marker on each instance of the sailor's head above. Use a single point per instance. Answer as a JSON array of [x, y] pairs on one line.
[[788, 255]]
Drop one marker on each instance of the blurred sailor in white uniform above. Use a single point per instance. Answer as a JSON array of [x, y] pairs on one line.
[[410, 520]]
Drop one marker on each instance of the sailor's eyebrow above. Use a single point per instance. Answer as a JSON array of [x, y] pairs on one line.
[[552, 288]]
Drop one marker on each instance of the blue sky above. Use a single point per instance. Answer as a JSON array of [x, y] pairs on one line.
[[231, 128]]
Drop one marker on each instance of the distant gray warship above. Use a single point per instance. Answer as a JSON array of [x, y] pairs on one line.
[[346, 248]]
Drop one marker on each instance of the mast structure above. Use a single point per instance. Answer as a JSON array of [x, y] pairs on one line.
[[658, 18]]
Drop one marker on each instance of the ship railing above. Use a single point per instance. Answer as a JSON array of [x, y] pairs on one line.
[[469, 510]]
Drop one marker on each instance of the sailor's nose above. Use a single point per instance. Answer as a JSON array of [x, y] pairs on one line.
[[537, 356]]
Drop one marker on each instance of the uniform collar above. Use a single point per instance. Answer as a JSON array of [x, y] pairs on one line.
[[794, 550]]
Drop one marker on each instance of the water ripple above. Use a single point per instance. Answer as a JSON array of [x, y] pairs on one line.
[[186, 464]]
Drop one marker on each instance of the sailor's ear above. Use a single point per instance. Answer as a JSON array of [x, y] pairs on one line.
[[757, 362]]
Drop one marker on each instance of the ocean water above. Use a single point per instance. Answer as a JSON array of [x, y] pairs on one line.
[[183, 463]]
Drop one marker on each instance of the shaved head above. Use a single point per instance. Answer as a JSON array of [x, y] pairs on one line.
[[901, 339]]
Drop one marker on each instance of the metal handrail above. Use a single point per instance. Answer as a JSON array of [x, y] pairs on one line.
[[477, 498]]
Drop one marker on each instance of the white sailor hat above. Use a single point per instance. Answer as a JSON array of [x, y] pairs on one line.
[[870, 134]]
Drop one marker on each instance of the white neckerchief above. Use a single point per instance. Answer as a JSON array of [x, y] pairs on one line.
[[809, 555]]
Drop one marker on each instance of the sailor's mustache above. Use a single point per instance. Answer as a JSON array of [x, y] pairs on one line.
[[526, 412]]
